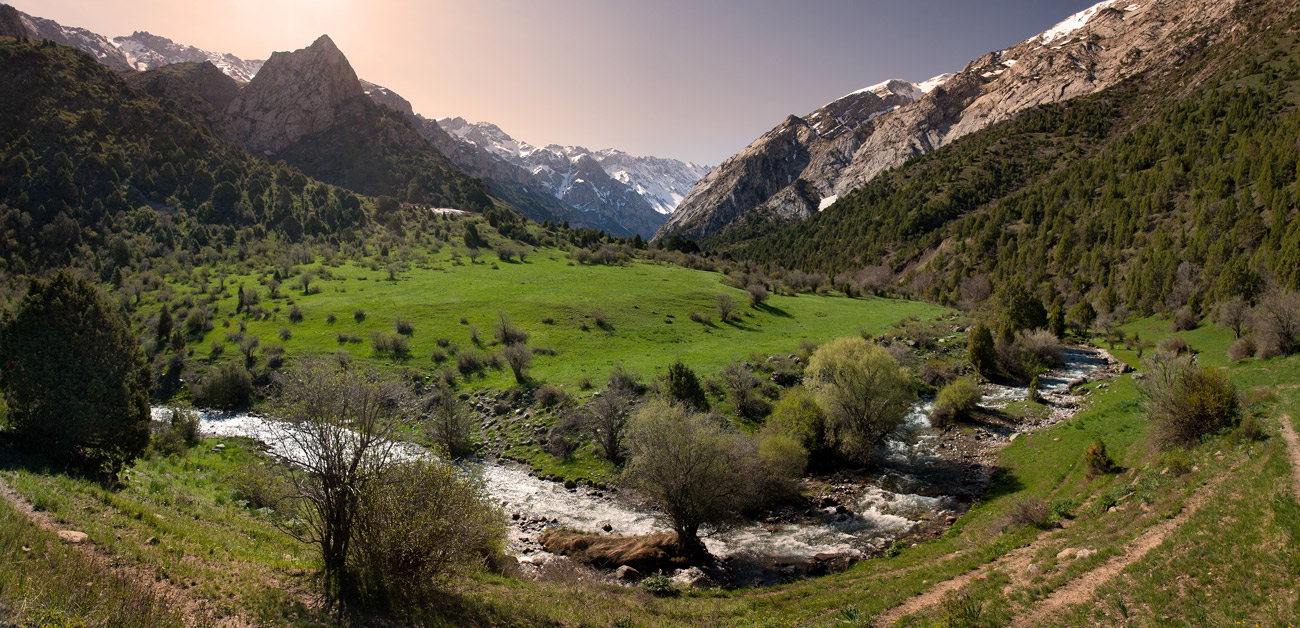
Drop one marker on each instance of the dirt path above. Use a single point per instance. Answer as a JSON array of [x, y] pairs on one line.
[[194, 611], [1076, 591], [1016, 560], [1083, 588], [1292, 452]]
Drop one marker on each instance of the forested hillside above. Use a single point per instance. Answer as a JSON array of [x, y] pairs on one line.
[[1153, 194], [97, 172]]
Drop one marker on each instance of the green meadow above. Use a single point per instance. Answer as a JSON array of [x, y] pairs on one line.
[[591, 316]]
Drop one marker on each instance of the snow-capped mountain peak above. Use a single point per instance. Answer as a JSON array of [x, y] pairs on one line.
[[1074, 23], [145, 51], [928, 86], [661, 182], [92, 43]]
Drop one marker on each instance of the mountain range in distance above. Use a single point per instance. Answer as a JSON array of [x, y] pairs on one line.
[[806, 163], [609, 189], [799, 168]]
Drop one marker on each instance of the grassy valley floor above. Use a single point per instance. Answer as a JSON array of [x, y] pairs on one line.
[[1215, 527], [591, 316]]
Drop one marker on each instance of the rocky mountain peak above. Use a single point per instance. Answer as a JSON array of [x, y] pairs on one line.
[[293, 95]]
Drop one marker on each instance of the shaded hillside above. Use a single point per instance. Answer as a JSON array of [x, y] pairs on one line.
[[374, 150], [198, 87]]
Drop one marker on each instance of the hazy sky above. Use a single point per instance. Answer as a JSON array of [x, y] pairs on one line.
[[690, 79]]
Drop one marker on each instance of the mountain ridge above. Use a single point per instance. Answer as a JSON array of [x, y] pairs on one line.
[[789, 173], [146, 51]]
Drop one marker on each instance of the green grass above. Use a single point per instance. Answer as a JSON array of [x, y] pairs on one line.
[[1234, 561], [46, 583], [178, 519], [647, 306]]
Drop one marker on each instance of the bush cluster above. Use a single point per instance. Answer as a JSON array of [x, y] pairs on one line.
[[956, 402], [1186, 402]]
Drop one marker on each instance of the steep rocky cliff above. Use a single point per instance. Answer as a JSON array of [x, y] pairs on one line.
[[806, 163], [294, 95], [11, 22]]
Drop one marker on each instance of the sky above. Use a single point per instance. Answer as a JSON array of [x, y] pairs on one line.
[[694, 80]]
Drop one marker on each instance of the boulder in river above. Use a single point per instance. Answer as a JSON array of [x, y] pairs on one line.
[[644, 553]]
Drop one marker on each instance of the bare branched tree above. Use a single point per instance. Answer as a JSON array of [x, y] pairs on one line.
[[449, 424], [606, 418], [1233, 314], [1276, 319], [336, 425]]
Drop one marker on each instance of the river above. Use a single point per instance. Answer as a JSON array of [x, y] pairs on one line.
[[873, 518]]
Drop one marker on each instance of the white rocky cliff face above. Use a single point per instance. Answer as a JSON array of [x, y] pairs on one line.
[[804, 164]]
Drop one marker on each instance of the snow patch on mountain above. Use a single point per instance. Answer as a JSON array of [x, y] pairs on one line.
[[662, 182], [934, 83], [1075, 22], [92, 43], [904, 89]]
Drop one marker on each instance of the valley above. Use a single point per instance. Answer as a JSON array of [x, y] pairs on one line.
[[1018, 345]]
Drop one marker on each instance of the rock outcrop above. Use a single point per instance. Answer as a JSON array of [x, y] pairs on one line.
[[806, 163], [294, 95], [198, 87]]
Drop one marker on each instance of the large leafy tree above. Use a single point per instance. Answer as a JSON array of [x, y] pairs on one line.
[[864, 392], [75, 380], [691, 467]]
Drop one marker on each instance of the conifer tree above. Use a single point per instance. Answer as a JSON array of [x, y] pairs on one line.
[[75, 380]]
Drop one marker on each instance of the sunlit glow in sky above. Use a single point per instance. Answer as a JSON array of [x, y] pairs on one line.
[[690, 79]]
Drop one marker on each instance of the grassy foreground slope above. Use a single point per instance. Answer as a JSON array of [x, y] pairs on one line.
[[1234, 559], [645, 306]]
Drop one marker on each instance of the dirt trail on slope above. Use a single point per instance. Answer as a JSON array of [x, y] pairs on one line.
[[1082, 588], [193, 610], [1015, 559], [1292, 453]]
